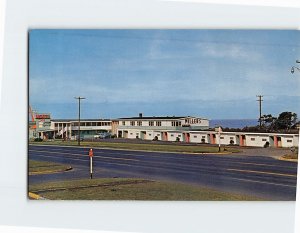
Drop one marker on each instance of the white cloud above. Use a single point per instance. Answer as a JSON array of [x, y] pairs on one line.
[[230, 51]]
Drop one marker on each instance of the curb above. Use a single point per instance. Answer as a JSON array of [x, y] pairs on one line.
[[35, 196], [50, 172], [289, 160]]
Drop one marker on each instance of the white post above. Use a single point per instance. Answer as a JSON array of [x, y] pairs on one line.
[[91, 166], [219, 139]]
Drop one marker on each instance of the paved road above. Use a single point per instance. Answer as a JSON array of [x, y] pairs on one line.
[[253, 175]]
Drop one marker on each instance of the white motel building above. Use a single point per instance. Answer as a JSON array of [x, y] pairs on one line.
[[186, 129]]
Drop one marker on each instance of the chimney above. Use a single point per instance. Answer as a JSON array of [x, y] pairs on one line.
[[140, 115]]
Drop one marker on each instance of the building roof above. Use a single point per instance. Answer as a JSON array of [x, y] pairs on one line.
[[157, 118], [75, 120]]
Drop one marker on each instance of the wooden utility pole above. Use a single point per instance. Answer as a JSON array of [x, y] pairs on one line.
[[79, 98], [259, 100]]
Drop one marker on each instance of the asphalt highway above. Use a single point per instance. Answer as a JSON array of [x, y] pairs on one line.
[[259, 176]]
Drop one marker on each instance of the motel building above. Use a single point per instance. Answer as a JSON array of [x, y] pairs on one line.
[[43, 127], [196, 130], [160, 128], [185, 129], [68, 128]]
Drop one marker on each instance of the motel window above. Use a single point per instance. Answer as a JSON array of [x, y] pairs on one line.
[[172, 135], [158, 134], [132, 123], [203, 136], [82, 124], [88, 124], [158, 123], [123, 122], [252, 139], [264, 140], [131, 133], [221, 137], [195, 136], [173, 123], [139, 123], [289, 140], [109, 123], [179, 136], [149, 134], [151, 123], [231, 138]]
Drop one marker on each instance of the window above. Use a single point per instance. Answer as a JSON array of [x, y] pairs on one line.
[[88, 124], [289, 140], [264, 140], [123, 122], [131, 133], [231, 138], [252, 139], [132, 123], [179, 136], [173, 123], [151, 123], [195, 136], [203, 136], [221, 137], [150, 134], [172, 135], [158, 123], [139, 123], [82, 124]]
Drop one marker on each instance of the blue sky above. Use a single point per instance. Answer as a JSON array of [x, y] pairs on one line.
[[208, 73]]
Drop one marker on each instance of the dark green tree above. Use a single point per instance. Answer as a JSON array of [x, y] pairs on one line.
[[286, 120], [268, 121]]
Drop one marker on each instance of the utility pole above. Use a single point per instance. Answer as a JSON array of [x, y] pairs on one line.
[[259, 100], [79, 99]]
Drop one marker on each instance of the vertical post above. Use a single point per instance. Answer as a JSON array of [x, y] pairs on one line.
[[79, 99], [219, 133], [79, 121], [260, 100], [91, 166], [91, 154]]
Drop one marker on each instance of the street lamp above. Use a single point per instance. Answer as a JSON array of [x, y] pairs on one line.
[[79, 99], [295, 67]]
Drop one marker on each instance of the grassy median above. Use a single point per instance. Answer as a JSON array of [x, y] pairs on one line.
[[144, 146], [131, 189], [43, 167]]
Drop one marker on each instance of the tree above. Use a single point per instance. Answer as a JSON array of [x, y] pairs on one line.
[[268, 121], [286, 120]]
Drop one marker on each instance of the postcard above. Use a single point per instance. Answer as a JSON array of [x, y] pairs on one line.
[[163, 114]]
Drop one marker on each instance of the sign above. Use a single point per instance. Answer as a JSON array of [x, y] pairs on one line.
[[42, 116], [91, 153]]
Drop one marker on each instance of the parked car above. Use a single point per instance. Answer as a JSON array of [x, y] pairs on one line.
[[103, 135]]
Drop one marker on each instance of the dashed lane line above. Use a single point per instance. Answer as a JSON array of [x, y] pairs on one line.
[[261, 172]]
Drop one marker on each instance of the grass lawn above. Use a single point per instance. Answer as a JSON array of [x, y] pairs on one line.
[[145, 147], [41, 167], [130, 189]]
